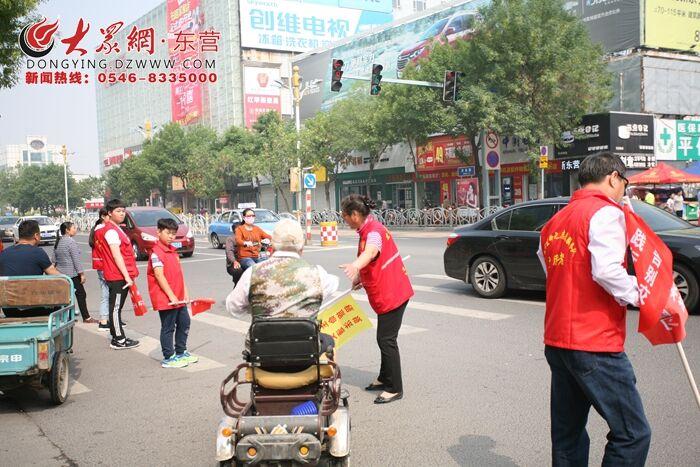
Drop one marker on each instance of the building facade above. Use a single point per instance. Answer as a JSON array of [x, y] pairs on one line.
[[35, 151]]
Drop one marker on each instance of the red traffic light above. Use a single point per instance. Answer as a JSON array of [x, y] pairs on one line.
[[337, 64], [336, 75]]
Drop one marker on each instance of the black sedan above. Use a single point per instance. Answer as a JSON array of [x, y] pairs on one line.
[[500, 252]]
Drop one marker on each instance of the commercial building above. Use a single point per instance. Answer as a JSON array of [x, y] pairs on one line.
[[35, 151]]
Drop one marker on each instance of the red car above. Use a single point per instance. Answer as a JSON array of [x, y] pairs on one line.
[[446, 31], [141, 225]]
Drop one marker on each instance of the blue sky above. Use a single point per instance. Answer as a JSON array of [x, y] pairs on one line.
[[66, 113]]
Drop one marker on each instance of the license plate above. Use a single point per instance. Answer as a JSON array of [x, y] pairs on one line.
[[177, 244], [46, 234]]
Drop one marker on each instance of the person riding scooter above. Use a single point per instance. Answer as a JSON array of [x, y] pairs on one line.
[[249, 240]]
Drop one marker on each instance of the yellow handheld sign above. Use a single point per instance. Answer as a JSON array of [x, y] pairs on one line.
[[343, 319]]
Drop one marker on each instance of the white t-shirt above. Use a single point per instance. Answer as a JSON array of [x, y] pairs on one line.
[[112, 237]]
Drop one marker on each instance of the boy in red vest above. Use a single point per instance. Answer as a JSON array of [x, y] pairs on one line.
[[119, 269], [166, 286], [583, 250]]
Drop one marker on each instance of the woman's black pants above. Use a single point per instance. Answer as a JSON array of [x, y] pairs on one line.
[[388, 325]]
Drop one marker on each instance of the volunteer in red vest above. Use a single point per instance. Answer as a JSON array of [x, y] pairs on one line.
[[583, 250], [119, 269], [380, 270], [97, 266]]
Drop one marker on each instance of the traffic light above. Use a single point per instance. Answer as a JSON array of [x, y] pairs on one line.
[[449, 86], [337, 75], [376, 79]]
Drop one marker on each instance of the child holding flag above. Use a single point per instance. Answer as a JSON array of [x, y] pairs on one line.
[[166, 287]]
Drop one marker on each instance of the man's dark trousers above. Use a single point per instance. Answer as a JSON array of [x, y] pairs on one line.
[[117, 297], [607, 382]]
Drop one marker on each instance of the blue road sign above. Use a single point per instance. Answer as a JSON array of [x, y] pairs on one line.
[[466, 171], [310, 181]]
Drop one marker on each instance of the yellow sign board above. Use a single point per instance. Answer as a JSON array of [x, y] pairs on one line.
[[672, 24], [544, 162], [343, 319], [294, 179], [320, 173]]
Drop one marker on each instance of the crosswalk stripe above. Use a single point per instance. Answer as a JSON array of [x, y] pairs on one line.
[[448, 310], [438, 290], [148, 346], [78, 388], [438, 277]]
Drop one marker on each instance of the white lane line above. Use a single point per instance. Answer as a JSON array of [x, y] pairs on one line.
[[224, 322], [448, 310], [438, 277], [150, 347], [405, 328], [77, 388], [524, 302], [442, 290]]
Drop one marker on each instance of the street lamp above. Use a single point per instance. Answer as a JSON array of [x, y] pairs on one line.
[[64, 153]]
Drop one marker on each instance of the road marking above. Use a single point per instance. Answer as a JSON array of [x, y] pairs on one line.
[[442, 290], [224, 322], [150, 346], [77, 388], [438, 290], [448, 310], [525, 302], [437, 276]]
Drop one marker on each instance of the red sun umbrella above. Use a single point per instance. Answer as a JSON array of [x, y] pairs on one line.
[[663, 174]]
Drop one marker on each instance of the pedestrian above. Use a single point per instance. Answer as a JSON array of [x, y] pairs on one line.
[[649, 198], [380, 270], [69, 261], [583, 249], [233, 267], [26, 258], [119, 267], [678, 203], [249, 238], [166, 287], [97, 265]]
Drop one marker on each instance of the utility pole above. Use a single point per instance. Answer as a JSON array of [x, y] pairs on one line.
[[296, 90], [64, 153]]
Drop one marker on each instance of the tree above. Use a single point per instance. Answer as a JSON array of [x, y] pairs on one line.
[[205, 161], [88, 188], [529, 70], [168, 154], [14, 15], [134, 179]]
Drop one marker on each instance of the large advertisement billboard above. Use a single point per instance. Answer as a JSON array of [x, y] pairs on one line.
[[672, 24], [612, 23], [261, 93], [303, 25]]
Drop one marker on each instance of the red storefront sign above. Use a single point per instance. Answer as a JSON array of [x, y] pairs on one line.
[[184, 21], [94, 204], [442, 152]]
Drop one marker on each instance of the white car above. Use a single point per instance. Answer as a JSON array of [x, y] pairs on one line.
[[48, 228]]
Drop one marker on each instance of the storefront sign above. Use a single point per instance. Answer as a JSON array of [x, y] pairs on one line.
[[672, 24], [442, 152], [665, 139], [466, 171], [638, 161], [688, 139], [520, 168]]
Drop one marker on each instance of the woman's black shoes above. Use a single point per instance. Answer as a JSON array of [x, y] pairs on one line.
[[386, 400], [376, 387]]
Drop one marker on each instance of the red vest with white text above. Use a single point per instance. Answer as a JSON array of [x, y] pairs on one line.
[[580, 314], [109, 267], [385, 279]]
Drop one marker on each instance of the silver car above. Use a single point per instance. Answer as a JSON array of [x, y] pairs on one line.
[[6, 224], [48, 228]]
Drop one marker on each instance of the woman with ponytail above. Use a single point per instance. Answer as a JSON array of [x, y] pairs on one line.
[[67, 257], [379, 269]]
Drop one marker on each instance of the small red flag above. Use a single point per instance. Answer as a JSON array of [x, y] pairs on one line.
[[200, 305], [140, 307], [662, 313]]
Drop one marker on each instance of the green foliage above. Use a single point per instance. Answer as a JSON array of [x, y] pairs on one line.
[[14, 15], [39, 188], [88, 188], [206, 165]]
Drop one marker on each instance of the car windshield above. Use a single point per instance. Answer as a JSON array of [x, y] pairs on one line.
[[8, 220], [149, 218], [42, 220], [434, 30], [263, 215], [658, 219]]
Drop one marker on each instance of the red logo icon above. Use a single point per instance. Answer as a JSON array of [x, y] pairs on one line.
[[36, 40]]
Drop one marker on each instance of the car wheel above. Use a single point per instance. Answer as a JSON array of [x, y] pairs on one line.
[[487, 277], [687, 286], [59, 378], [138, 255], [215, 242]]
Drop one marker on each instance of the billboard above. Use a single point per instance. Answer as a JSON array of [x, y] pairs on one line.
[[184, 20], [612, 23], [303, 25], [688, 140], [442, 152], [672, 24], [261, 95]]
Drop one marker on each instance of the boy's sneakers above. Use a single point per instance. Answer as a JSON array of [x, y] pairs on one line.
[[174, 362], [125, 344], [103, 327], [188, 357]]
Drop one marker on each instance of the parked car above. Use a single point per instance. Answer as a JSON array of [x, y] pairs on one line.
[[445, 31], [141, 226], [48, 228], [220, 228], [500, 252], [6, 224]]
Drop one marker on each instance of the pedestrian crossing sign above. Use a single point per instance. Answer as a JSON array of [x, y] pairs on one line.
[[343, 319]]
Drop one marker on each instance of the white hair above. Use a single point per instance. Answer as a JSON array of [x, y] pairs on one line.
[[288, 236]]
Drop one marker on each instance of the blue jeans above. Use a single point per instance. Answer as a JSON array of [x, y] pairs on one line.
[[248, 262], [175, 321], [104, 298], [605, 381]]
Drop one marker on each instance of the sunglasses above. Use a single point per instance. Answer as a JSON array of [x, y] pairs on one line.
[[624, 179]]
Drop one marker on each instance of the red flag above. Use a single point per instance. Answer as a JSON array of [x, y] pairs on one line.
[[140, 307], [200, 305], [662, 313]]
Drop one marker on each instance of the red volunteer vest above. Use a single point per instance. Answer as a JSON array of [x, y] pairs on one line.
[[109, 267], [173, 276], [580, 314], [385, 279], [97, 263]]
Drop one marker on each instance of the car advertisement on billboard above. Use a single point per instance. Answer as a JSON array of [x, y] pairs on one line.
[[672, 24], [303, 25]]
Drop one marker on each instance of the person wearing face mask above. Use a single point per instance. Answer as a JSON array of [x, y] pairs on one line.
[[249, 238]]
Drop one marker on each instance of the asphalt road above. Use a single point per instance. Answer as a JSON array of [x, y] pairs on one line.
[[475, 378]]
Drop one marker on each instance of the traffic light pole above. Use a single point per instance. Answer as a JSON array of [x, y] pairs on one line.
[[64, 152], [411, 82]]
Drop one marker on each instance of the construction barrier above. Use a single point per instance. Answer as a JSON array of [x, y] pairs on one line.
[[329, 234]]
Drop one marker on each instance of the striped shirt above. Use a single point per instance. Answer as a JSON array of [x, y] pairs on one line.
[[373, 238], [67, 257]]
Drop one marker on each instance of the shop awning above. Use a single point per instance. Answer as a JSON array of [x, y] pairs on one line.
[[663, 174]]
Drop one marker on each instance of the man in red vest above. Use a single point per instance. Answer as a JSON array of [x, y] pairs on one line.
[[583, 250]]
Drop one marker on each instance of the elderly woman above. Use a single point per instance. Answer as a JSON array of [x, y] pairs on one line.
[[285, 285]]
